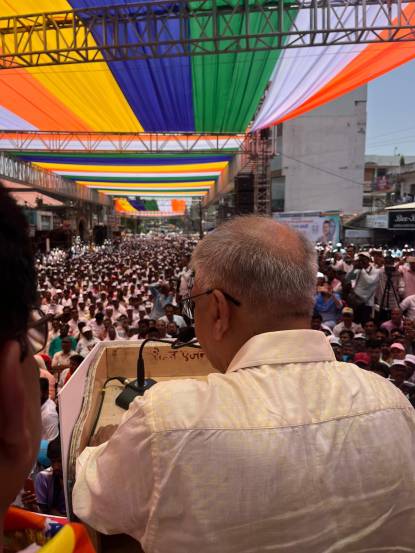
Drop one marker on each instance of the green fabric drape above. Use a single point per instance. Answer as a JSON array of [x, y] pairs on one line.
[[151, 205], [227, 88]]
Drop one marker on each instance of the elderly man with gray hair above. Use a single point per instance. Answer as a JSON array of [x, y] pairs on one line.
[[284, 449]]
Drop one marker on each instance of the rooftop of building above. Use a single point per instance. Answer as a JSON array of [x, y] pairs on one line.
[[387, 161]]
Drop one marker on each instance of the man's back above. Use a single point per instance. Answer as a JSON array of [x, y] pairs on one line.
[[288, 451]]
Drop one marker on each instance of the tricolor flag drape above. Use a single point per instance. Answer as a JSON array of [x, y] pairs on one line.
[[307, 78], [163, 182], [211, 93], [151, 207]]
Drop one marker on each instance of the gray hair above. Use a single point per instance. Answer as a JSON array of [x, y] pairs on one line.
[[264, 264]]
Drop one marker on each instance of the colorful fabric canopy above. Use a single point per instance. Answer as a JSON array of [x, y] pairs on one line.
[[120, 175], [203, 94], [150, 208], [211, 93], [309, 77]]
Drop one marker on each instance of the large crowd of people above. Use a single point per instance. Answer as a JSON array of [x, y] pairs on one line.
[[255, 292], [127, 290], [365, 304], [132, 290]]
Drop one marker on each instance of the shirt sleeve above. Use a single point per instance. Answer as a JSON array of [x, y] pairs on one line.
[[50, 422], [404, 305], [111, 493], [42, 488], [154, 289]]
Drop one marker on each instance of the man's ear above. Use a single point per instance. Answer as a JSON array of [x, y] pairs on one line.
[[12, 400], [221, 314]]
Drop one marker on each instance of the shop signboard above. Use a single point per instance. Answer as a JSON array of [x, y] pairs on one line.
[[377, 221], [402, 220], [359, 233]]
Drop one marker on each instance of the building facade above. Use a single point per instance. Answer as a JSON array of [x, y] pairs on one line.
[[321, 158]]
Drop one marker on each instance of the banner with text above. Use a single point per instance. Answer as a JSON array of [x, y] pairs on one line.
[[402, 220], [318, 227]]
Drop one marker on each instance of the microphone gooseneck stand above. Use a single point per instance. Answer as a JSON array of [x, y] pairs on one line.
[[139, 386]]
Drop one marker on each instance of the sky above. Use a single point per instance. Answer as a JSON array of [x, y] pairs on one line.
[[391, 113]]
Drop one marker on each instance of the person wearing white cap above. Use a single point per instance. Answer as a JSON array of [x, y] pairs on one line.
[[86, 341], [397, 351], [399, 375]]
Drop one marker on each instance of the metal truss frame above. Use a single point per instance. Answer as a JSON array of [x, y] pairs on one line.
[[262, 183], [148, 143], [45, 181], [144, 30], [257, 161]]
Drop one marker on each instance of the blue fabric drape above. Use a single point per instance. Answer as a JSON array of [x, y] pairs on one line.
[[159, 91]]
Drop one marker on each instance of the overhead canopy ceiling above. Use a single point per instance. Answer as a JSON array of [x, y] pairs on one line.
[[211, 93], [128, 176], [201, 94]]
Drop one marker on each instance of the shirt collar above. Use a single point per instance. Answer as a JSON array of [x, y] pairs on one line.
[[287, 346]]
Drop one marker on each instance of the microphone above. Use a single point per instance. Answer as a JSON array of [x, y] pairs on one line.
[[141, 384], [186, 338]]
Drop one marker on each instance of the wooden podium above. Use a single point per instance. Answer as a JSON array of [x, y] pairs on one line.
[[99, 409]]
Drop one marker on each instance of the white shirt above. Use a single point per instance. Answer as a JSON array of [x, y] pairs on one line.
[[408, 307], [178, 319], [61, 360], [99, 331], [73, 327], [288, 451], [50, 420], [366, 283], [185, 277], [84, 346], [355, 328]]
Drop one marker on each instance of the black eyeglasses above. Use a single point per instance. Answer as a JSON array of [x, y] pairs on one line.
[[37, 332], [188, 305]]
